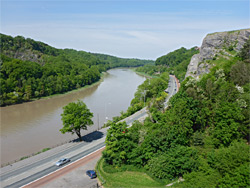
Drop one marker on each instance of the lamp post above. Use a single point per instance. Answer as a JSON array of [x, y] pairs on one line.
[[106, 117], [144, 93]]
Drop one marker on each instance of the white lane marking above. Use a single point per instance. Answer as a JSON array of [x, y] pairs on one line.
[[62, 168]]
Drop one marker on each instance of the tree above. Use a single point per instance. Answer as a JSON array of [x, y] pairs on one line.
[[244, 54], [174, 163], [76, 116], [120, 141]]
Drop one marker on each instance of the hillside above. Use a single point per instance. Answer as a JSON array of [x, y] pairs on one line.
[[32, 69], [202, 137], [121, 62], [175, 62]]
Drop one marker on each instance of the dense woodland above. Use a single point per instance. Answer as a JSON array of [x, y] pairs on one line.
[[31, 69], [175, 62], [203, 135]]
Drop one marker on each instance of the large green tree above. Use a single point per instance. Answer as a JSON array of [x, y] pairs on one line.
[[75, 117]]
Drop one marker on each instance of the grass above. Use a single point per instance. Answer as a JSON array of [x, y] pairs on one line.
[[43, 150], [144, 74], [125, 178]]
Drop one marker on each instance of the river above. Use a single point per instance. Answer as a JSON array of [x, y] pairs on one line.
[[30, 127]]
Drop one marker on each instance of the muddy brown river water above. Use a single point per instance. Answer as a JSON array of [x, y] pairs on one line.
[[30, 127]]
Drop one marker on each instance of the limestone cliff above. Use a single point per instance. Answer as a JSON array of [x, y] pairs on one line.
[[215, 45]]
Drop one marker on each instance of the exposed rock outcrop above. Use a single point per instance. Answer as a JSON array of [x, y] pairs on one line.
[[213, 45]]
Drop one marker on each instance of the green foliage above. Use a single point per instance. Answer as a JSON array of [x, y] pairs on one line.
[[41, 70], [173, 58], [121, 62], [224, 167], [244, 54], [150, 89], [239, 73], [152, 69], [75, 117], [119, 143], [175, 62], [24, 80], [203, 135], [174, 163], [127, 177]]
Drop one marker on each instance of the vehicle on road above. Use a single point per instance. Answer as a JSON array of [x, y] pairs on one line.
[[91, 173], [62, 161]]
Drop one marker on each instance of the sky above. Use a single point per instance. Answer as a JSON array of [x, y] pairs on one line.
[[145, 29]]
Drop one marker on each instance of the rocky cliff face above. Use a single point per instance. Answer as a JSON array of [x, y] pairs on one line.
[[216, 45]]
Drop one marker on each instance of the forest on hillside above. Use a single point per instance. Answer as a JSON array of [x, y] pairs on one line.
[[203, 135], [175, 62], [30, 69]]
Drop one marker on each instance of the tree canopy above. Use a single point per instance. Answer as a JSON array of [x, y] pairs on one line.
[[76, 117], [175, 62], [203, 135], [30, 69]]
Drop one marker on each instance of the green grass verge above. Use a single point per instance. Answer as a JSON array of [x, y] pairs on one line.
[[125, 178], [43, 150]]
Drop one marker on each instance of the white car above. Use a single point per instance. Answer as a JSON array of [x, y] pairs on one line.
[[62, 161]]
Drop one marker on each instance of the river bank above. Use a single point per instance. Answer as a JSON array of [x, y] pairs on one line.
[[66, 93], [28, 128]]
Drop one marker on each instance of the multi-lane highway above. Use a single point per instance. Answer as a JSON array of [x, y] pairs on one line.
[[20, 175]]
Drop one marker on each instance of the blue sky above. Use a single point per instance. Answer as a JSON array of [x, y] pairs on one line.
[[143, 29]]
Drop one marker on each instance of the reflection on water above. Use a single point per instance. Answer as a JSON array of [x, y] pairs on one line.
[[30, 127]]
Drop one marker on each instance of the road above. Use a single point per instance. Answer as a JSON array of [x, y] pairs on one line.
[[29, 170], [73, 175], [173, 88], [18, 176]]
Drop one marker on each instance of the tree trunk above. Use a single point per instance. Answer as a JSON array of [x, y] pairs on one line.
[[79, 135]]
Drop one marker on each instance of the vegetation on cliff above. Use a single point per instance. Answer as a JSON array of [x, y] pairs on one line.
[[202, 136]]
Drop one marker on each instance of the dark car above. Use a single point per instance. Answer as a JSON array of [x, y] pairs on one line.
[[91, 174]]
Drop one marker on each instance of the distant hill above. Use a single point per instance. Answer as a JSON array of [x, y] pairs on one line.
[[121, 62], [175, 62], [32, 69], [176, 57], [30, 50]]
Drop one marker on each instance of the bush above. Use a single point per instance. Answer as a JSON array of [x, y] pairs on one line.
[[176, 162]]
